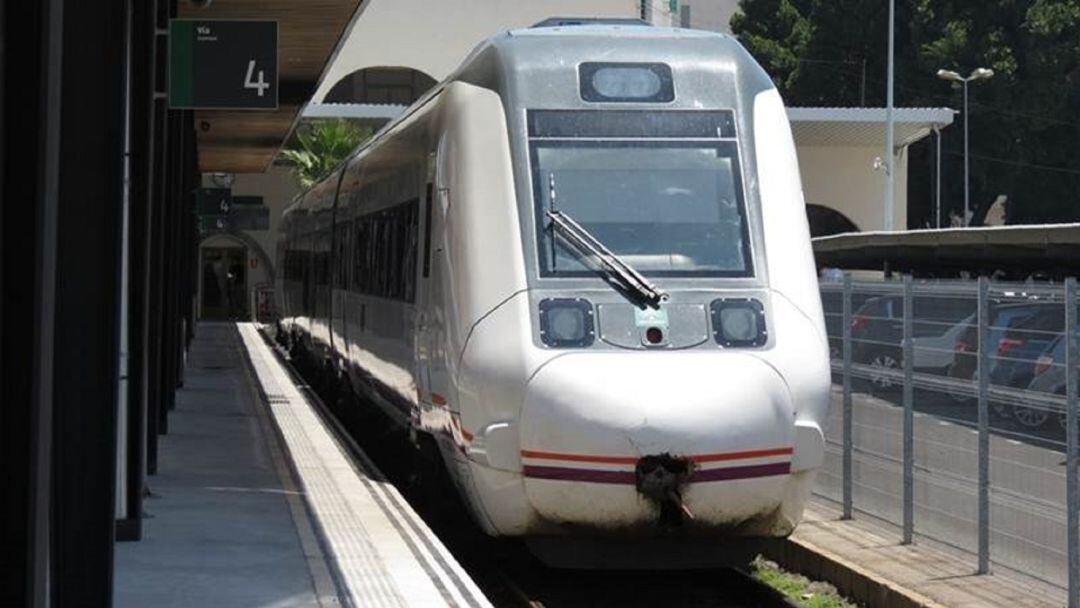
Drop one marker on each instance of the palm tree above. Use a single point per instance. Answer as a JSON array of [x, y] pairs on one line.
[[321, 146]]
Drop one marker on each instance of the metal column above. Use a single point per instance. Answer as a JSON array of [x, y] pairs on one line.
[[143, 63], [1072, 438], [90, 202], [848, 413], [937, 178], [909, 415], [30, 88], [984, 425]]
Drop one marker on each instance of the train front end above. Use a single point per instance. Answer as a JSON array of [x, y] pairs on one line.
[[672, 371]]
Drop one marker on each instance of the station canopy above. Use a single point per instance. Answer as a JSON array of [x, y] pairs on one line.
[[864, 127], [309, 33], [1017, 250]]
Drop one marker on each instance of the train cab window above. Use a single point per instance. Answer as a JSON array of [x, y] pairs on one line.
[[668, 205]]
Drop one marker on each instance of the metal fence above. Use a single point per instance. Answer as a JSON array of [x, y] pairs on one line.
[[955, 417]]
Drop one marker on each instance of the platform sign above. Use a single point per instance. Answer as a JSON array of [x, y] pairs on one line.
[[238, 218], [223, 64], [213, 201]]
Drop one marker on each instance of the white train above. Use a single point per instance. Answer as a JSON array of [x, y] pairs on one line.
[[581, 267]]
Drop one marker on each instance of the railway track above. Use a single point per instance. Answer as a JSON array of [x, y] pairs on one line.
[[687, 589], [504, 569]]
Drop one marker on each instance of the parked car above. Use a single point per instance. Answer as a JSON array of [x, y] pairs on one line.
[[936, 353], [966, 349], [877, 330], [1018, 350], [1050, 374]]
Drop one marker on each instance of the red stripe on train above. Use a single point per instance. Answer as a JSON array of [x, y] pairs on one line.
[[700, 458]]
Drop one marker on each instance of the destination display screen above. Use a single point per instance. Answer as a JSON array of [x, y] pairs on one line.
[[626, 82]]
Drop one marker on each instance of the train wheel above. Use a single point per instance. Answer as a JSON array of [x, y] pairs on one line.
[[883, 368], [1030, 417]]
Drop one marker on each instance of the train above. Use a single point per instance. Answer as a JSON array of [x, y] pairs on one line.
[[579, 270]]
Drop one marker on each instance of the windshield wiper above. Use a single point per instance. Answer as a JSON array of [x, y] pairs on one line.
[[584, 241]]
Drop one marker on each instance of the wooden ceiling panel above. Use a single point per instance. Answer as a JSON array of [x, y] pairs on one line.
[[308, 33]]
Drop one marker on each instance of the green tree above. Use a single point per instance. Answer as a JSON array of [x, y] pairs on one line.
[[321, 146], [776, 32], [1025, 132]]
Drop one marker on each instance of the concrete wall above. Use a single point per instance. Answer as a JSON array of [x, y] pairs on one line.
[[714, 15], [433, 37], [844, 179]]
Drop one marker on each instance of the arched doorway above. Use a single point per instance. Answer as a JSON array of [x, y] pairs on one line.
[[223, 279], [826, 222], [231, 261], [381, 85]]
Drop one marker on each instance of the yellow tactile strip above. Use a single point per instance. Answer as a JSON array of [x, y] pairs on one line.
[[385, 555]]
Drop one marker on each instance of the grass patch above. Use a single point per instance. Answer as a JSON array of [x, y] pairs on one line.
[[803, 591]]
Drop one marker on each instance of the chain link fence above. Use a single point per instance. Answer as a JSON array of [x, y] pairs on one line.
[[954, 410]]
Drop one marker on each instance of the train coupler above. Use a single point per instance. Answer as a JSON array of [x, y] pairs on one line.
[[660, 479]]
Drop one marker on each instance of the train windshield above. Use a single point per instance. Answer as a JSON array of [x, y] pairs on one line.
[[667, 207]]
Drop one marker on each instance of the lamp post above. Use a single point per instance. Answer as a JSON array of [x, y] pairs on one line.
[[890, 153], [978, 74]]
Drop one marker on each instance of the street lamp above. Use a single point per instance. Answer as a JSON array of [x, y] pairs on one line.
[[978, 74]]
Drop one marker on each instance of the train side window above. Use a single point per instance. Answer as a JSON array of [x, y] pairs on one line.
[[412, 227], [357, 253], [384, 252], [427, 228]]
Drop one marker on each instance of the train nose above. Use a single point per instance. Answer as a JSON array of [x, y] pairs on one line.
[[608, 438]]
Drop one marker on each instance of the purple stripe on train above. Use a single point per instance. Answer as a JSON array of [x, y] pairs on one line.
[[627, 477]]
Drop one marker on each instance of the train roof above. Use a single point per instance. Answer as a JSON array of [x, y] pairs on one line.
[[517, 63]]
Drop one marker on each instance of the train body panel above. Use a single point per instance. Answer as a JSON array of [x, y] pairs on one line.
[[569, 397]]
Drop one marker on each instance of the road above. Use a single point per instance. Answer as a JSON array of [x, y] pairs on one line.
[[1027, 479]]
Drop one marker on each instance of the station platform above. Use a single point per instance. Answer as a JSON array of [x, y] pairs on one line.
[[866, 562], [257, 503]]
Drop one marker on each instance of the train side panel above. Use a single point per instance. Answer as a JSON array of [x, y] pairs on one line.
[[801, 352], [485, 300]]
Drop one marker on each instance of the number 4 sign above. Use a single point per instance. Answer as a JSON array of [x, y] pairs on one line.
[[259, 85], [223, 64]]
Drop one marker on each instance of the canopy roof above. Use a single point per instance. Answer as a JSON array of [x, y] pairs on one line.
[[1053, 248], [864, 126]]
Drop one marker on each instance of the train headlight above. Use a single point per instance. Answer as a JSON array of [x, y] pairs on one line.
[[739, 322], [566, 322]]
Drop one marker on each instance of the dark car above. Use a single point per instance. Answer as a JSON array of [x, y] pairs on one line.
[[1050, 378], [877, 330], [1002, 317], [1012, 326], [1019, 347], [1018, 352]]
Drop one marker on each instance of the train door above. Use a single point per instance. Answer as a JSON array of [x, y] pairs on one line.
[[428, 292]]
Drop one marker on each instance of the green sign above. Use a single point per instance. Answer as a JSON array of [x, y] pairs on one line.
[[223, 64]]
